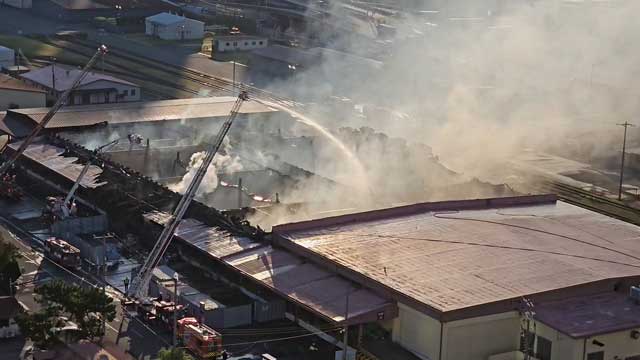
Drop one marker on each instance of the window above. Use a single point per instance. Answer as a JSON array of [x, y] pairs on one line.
[[596, 355], [228, 44], [260, 43], [246, 43], [125, 93], [543, 348], [634, 357], [253, 43], [133, 92], [235, 43]]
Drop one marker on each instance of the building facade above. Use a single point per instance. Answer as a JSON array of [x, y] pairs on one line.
[[15, 94], [238, 43], [168, 26], [95, 88], [496, 279]]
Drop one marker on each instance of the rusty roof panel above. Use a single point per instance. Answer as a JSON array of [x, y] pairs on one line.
[[51, 157], [450, 260]]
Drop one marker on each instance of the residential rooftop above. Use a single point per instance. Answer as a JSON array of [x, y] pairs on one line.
[[447, 257], [11, 83], [65, 76]]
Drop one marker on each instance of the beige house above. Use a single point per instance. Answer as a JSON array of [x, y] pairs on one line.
[[15, 93], [488, 279]]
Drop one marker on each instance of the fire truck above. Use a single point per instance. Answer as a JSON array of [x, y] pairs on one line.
[[63, 253], [9, 189], [201, 340]]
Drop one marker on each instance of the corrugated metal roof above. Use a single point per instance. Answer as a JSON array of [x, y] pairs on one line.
[[133, 112], [454, 255], [10, 83], [65, 76], [590, 315], [51, 157], [290, 275]]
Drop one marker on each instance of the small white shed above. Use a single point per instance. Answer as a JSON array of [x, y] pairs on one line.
[[7, 57], [168, 26]]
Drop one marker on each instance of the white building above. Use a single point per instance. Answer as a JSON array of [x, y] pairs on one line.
[[168, 26], [95, 88], [20, 4], [7, 57], [15, 93], [238, 43]]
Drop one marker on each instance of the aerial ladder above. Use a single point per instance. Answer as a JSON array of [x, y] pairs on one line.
[[57, 207], [102, 50], [137, 290]]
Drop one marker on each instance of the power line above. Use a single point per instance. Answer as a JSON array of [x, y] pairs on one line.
[[440, 216]]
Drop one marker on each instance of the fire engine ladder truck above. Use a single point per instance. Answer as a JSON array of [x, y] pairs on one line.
[[138, 290], [102, 50], [66, 203]]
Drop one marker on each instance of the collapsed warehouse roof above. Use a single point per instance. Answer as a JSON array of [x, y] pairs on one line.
[[52, 157]]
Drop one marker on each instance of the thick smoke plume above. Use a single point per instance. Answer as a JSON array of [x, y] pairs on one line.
[[470, 87]]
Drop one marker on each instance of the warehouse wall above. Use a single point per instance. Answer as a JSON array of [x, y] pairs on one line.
[[563, 347], [478, 338], [24, 99], [417, 332]]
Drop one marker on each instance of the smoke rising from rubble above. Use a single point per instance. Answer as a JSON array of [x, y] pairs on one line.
[[224, 161], [470, 88]]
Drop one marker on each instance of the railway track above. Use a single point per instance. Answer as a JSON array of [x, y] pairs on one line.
[[125, 61], [594, 202]]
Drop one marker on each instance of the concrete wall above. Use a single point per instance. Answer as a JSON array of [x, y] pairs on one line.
[[619, 345], [24, 99], [417, 333], [562, 346], [478, 338]]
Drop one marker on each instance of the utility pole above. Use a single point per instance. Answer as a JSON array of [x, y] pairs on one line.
[[104, 279], [239, 193], [345, 340], [527, 313], [624, 148], [175, 309], [53, 75]]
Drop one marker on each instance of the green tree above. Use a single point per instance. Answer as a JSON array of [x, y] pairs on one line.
[[39, 327], [173, 354], [84, 306], [9, 268]]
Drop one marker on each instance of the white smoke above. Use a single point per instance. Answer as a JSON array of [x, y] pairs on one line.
[[224, 162]]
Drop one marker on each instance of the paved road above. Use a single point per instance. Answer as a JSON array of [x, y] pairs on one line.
[[130, 334]]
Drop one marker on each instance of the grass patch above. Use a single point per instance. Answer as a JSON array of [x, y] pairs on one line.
[[33, 48]]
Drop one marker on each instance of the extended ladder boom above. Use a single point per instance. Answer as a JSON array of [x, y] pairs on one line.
[[139, 283], [54, 109], [74, 188]]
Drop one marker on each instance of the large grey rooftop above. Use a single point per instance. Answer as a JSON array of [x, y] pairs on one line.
[[454, 255]]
